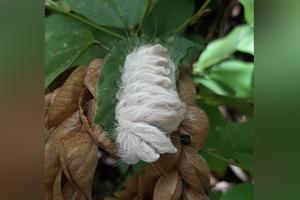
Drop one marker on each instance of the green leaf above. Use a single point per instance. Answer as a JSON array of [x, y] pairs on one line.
[[167, 15], [229, 142], [61, 5], [217, 166], [178, 47], [240, 38], [108, 84], [232, 78], [114, 13], [240, 192], [249, 11], [62, 50], [244, 106], [215, 195], [56, 23]]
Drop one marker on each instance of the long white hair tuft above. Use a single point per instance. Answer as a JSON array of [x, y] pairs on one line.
[[148, 107]]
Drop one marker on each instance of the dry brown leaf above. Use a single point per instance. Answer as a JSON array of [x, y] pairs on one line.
[[199, 164], [92, 76], [87, 112], [188, 173], [57, 193], [166, 162], [190, 194], [146, 185], [168, 187], [70, 193], [66, 100], [51, 158], [129, 189], [186, 89], [195, 124], [78, 159], [49, 98]]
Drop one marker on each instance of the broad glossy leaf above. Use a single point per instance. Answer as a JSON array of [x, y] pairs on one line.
[[215, 195], [242, 105], [167, 15], [240, 192], [115, 13], [62, 50], [240, 38], [108, 84], [228, 140], [61, 24], [178, 47], [232, 78], [249, 11]]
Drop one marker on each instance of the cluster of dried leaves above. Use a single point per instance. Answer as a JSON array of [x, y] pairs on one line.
[[72, 140], [71, 137]]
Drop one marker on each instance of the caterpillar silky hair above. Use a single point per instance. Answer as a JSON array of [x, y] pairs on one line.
[[149, 108]]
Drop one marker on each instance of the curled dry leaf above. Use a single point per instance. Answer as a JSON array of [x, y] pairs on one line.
[[51, 157], [69, 192], [187, 90], [129, 190], [166, 162], [146, 185], [199, 164], [190, 194], [188, 173], [57, 193], [66, 100], [78, 159], [168, 187], [195, 124], [49, 98], [92, 76], [87, 110]]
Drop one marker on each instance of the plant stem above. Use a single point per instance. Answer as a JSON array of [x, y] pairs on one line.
[[228, 161], [150, 6], [195, 17], [85, 21], [101, 45]]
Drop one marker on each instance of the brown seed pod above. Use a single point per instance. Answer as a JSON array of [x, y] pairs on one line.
[[195, 124]]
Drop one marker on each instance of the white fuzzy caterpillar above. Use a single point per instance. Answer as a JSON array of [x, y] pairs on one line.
[[148, 107]]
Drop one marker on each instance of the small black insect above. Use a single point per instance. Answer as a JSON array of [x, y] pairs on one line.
[[185, 139]]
